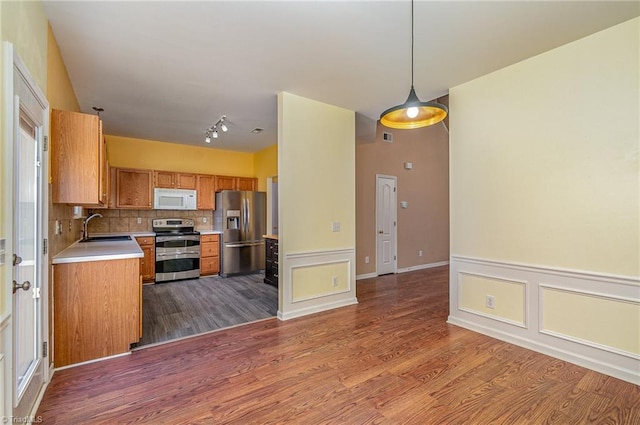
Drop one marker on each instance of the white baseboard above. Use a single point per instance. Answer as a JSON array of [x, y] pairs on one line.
[[422, 266], [316, 309], [366, 276], [590, 350]]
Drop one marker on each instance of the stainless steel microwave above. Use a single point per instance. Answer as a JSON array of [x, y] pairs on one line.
[[174, 199]]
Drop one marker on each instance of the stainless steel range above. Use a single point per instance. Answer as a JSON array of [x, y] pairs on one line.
[[177, 249]]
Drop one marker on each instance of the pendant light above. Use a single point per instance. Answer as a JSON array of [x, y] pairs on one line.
[[413, 113]]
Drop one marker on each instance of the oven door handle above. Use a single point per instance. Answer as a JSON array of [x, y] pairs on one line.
[[178, 238], [176, 256]]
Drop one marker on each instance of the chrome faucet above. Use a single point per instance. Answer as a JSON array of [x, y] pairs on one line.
[[85, 235]]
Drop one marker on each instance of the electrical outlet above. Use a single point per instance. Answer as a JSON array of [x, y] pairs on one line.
[[336, 226], [420, 253], [204, 219], [139, 220], [490, 301], [366, 259], [58, 230], [335, 281]]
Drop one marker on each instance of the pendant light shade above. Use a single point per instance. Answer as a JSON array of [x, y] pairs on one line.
[[413, 113]]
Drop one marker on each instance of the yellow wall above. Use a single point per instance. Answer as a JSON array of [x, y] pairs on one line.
[[60, 92], [265, 164], [126, 152], [544, 158], [316, 185], [23, 24], [316, 175]]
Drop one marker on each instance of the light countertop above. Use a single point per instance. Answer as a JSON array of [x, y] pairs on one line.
[[99, 251], [270, 237], [210, 232]]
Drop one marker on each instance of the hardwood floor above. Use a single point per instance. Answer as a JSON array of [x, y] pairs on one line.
[[182, 308], [391, 359]]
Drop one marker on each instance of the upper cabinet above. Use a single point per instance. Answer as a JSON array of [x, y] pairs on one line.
[[172, 180], [78, 159], [235, 183], [134, 189], [206, 198]]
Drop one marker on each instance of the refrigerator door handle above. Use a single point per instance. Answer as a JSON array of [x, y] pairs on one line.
[[242, 245]]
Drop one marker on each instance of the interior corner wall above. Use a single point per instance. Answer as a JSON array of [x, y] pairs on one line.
[[316, 185], [424, 225], [265, 165], [545, 194]]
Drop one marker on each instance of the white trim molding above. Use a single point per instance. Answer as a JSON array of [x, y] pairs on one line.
[[366, 276], [594, 354], [301, 306], [422, 266]]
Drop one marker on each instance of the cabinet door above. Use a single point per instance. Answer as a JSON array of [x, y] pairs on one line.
[[246, 183], [134, 189], [164, 179], [186, 181], [225, 183], [206, 195], [77, 159], [104, 167]]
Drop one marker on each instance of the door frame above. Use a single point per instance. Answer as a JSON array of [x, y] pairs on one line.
[[15, 68], [394, 237]]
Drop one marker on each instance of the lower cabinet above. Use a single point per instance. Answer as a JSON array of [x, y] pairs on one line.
[[209, 254], [148, 262], [271, 261], [96, 309]]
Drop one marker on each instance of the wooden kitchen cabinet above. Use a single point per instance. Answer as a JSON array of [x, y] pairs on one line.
[[209, 254], [246, 183], [236, 183], [206, 193], [78, 159], [134, 189], [225, 183], [173, 180], [96, 309], [148, 262]]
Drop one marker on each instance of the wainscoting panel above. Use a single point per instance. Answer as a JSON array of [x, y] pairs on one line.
[[508, 296], [317, 281], [582, 317]]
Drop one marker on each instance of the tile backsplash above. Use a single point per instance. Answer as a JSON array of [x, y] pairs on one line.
[[113, 220]]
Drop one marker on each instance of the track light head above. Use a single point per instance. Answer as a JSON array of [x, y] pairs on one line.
[[215, 133]]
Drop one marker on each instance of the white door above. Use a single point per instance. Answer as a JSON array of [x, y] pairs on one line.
[[28, 224], [386, 234]]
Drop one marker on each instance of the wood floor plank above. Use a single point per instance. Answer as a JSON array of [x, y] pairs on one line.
[[390, 359]]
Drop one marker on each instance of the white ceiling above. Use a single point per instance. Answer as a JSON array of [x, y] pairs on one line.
[[168, 70]]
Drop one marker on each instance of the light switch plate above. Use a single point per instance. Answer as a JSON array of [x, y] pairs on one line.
[[3, 243], [336, 226]]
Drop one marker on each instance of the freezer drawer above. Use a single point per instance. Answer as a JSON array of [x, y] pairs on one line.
[[242, 258]]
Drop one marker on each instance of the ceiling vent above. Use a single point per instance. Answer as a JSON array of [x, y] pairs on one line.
[[387, 137]]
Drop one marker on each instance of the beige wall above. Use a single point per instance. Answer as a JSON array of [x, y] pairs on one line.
[[424, 225], [316, 183], [545, 190]]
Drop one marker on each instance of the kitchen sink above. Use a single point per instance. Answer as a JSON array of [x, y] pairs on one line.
[[107, 238]]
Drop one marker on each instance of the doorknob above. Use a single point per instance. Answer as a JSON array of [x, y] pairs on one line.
[[25, 286], [380, 231], [16, 259]]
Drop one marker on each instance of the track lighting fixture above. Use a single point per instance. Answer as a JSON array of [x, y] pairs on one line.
[[212, 132]]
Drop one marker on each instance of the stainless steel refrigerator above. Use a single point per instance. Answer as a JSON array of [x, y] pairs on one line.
[[241, 217]]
